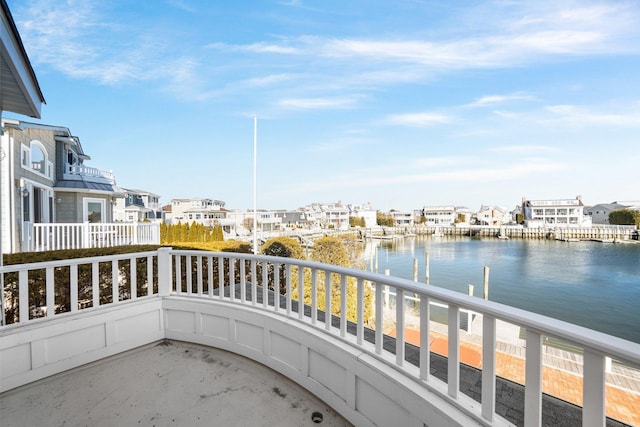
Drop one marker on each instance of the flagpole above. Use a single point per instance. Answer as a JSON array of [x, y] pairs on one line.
[[255, 181]]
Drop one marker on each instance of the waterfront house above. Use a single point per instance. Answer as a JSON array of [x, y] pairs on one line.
[[197, 209], [328, 215], [46, 180], [364, 211], [555, 213], [439, 215], [292, 219], [600, 213], [402, 219], [492, 215], [137, 205]]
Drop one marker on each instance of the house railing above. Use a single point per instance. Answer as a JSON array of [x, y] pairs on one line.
[[49, 236], [93, 174], [55, 288]]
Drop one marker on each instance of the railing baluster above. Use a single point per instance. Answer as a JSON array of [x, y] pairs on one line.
[[343, 305], [425, 341], [453, 367], [149, 275], [232, 278], [265, 283], [115, 288], [221, 277], [243, 281], [276, 286], [23, 295], [314, 296], [593, 390], [379, 316], [199, 274], [49, 289], [288, 288], [178, 259], [95, 283], [488, 366], [300, 293], [210, 276], [533, 380], [189, 274], [399, 327], [133, 273], [327, 300], [73, 287], [360, 316], [254, 282]]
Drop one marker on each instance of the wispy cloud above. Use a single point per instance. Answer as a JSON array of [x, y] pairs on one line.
[[472, 175], [76, 38], [179, 4], [261, 47], [491, 100], [585, 117], [519, 149], [418, 119], [317, 103]]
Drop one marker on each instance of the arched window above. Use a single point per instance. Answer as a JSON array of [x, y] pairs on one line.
[[38, 158], [34, 157]]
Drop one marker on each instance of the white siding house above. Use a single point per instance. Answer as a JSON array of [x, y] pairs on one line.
[[555, 213]]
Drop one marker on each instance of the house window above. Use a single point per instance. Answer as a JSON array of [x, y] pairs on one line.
[[24, 155], [94, 210], [35, 159], [38, 158]]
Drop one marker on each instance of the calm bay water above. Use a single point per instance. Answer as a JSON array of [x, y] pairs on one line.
[[592, 284]]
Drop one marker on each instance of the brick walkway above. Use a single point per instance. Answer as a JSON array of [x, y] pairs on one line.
[[622, 403]]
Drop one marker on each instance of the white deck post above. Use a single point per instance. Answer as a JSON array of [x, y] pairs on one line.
[[164, 271]]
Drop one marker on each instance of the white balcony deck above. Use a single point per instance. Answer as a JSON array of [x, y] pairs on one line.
[[166, 383], [369, 378]]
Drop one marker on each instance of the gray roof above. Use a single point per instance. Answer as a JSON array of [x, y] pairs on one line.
[[88, 186]]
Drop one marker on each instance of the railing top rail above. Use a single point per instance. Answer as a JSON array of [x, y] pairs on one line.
[[606, 344], [75, 261]]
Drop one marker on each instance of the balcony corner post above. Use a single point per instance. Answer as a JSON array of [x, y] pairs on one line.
[[164, 271]]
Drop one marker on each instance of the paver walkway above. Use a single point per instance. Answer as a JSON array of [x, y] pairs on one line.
[[622, 403]]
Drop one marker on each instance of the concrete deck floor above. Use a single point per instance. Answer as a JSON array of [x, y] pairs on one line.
[[166, 384]]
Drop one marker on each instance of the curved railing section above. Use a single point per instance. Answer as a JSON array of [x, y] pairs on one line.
[[302, 292]]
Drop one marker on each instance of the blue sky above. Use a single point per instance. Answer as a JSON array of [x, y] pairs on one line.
[[399, 103]]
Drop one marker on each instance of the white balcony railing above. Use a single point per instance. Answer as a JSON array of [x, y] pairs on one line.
[[89, 174], [49, 237], [201, 295]]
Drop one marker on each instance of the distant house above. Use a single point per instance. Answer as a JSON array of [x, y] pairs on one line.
[[402, 219], [364, 211], [555, 213], [137, 205], [492, 215], [46, 180], [439, 215], [209, 212], [599, 213], [328, 215], [205, 211], [292, 218]]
